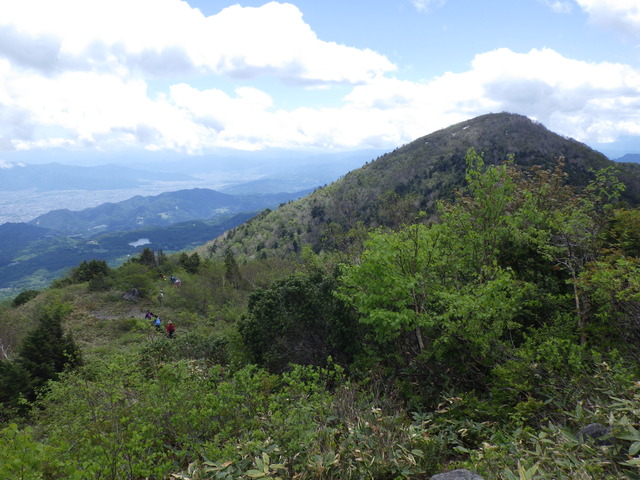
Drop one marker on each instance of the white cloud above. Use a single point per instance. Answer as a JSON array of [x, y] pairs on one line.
[[165, 37], [79, 74], [618, 15], [274, 39], [588, 101], [559, 6], [424, 5]]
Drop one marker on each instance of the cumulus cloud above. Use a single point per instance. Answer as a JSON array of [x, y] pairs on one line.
[[618, 15], [587, 101], [91, 73], [165, 37], [79, 72]]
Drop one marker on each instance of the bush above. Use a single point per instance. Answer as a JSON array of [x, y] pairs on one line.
[[186, 346], [298, 320], [23, 297], [135, 275], [101, 284], [87, 271]]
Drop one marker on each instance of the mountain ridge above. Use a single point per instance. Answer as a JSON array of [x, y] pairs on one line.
[[414, 177], [34, 253], [158, 210]]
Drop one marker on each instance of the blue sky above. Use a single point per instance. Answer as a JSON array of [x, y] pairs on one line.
[[196, 76]]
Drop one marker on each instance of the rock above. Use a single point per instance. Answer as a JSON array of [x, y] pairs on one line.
[[460, 474], [132, 294], [596, 433]]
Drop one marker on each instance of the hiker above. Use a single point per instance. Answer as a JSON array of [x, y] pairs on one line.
[[160, 296], [158, 323], [149, 315], [170, 329]]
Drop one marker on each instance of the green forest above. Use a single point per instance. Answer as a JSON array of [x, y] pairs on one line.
[[486, 336]]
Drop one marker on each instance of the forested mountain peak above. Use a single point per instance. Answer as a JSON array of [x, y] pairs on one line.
[[393, 188]]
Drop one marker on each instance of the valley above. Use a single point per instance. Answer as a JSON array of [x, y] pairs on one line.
[[91, 221], [25, 205]]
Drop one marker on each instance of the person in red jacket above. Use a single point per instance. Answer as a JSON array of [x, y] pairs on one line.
[[171, 329]]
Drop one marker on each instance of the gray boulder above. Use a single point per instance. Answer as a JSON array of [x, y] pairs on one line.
[[132, 294], [460, 474], [597, 433]]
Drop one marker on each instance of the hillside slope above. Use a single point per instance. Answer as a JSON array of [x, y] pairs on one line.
[[393, 188], [33, 254], [37, 256]]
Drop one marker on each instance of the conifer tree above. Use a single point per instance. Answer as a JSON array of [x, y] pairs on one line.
[[46, 351], [87, 271], [191, 263], [231, 270], [14, 384], [148, 258]]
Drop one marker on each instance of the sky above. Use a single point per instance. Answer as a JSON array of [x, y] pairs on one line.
[[193, 77]]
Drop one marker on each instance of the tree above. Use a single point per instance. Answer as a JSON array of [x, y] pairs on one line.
[[231, 270], [23, 297], [87, 271], [135, 275], [622, 234], [14, 386], [148, 258], [299, 320], [577, 227], [191, 263], [420, 279], [446, 282], [436, 277], [46, 351], [611, 283]]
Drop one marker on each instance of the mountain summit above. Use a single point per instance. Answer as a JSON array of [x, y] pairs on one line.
[[414, 177]]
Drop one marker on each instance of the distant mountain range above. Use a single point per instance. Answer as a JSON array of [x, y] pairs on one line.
[[629, 157], [158, 210], [32, 189], [56, 176], [34, 253]]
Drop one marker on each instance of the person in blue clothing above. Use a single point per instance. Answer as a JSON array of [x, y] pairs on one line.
[[158, 323]]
